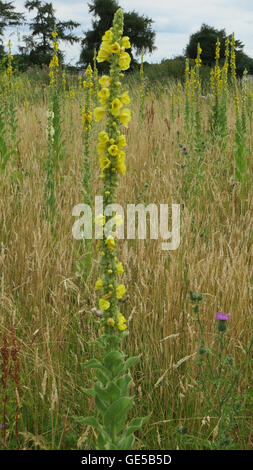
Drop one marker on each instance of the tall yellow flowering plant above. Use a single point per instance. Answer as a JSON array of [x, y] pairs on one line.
[[111, 390], [56, 143]]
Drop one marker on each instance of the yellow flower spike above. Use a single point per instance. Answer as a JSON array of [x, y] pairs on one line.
[[120, 268], [110, 321], [99, 284], [104, 304], [116, 106], [99, 113], [120, 291]]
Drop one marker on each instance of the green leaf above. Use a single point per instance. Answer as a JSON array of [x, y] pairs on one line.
[[113, 361], [94, 364], [131, 361], [115, 414], [136, 424], [109, 393], [103, 375], [123, 383], [89, 391], [100, 404], [126, 443]]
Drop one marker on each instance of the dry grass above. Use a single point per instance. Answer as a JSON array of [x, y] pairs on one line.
[[41, 294]]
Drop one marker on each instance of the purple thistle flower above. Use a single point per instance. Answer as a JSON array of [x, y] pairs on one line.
[[221, 316], [234, 183], [184, 148]]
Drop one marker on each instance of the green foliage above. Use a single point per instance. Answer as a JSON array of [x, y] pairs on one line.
[[111, 396], [137, 27], [217, 379], [8, 17], [207, 37], [38, 45]]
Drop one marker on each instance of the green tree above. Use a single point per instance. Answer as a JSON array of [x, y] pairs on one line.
[[8, 17], [207, 37], [137, 27], [39, 43]]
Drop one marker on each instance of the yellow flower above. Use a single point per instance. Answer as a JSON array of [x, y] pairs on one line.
[[120, 268], [121, 317], [105, 81], [125, 98], [120, 291], [120, 164], [122, 326], [103, 54], [125, 42], [104, 304], [115, 48], [113, 150], [116, 105], [54, 62], [110, 322], [110, 242], [124, 60], [99, 284], [108, 36], [99, 113], [87, 117], [104, 95], [121, 322], [101, 148], [125, 116], [121, 141], [103, 137], [104, 162], [100, 220]]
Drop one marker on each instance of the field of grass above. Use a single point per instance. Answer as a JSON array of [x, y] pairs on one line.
[[199, 397]]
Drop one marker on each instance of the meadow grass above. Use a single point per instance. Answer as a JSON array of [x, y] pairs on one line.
[[43, 295]]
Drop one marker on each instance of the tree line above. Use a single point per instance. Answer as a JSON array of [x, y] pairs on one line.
[[37, 45]]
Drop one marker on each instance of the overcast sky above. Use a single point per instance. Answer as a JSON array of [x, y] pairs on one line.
[[174, 21]]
